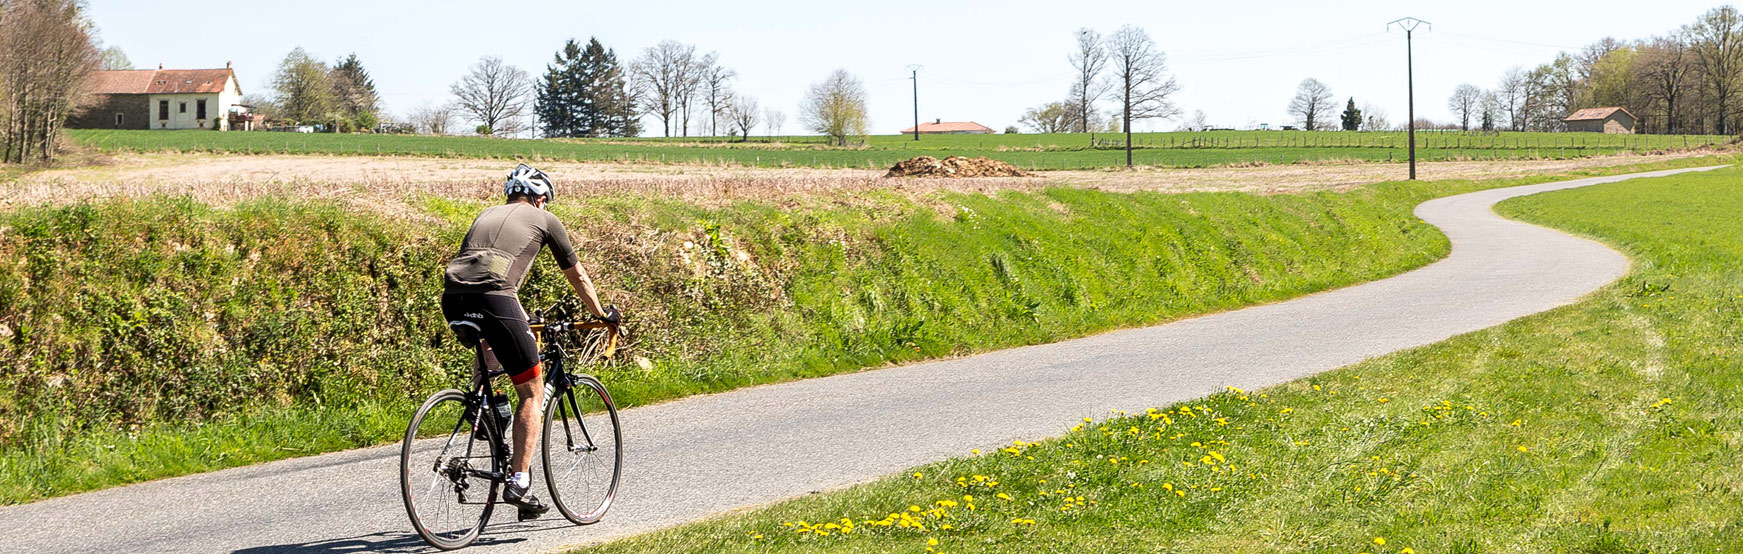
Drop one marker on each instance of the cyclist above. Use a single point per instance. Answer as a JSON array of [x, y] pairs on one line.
[[480, 288]]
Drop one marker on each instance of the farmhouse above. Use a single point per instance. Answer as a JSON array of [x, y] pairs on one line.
[[160, 99], [942, 127], [1614, 120]]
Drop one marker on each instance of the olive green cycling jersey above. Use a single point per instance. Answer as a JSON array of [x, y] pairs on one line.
[[500, 247]]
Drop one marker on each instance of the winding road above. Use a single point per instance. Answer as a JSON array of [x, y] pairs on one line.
[[705, 455]]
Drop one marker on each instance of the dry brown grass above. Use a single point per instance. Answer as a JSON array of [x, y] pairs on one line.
[[222, 177]]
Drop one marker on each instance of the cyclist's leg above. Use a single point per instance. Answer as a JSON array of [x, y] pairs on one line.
[[514, 348]]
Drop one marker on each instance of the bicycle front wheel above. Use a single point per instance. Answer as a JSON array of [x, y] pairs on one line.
[[443, 465], [582, 449]]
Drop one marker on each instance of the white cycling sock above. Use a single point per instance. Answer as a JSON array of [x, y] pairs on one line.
[[521, 479]]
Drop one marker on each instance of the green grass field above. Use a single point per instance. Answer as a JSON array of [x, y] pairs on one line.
[[1609, 426], [1039, 151]]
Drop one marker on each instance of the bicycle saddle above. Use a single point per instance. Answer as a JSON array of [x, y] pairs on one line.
[[466, 331]]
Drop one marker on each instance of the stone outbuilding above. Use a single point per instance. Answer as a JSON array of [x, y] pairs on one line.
[[1613, 120], [160, 99]]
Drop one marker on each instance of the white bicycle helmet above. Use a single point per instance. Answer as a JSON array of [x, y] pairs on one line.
[[531, 182]]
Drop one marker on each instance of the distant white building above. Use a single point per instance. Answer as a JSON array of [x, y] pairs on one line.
[[161, 99]]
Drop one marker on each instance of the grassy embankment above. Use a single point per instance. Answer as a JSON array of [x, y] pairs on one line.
[[1609, 426], [158, 337], [1039, 151]]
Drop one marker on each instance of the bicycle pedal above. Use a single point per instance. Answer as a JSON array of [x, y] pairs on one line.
[[524, 515]]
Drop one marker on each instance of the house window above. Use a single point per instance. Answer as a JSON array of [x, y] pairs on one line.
[[182, 107], [200, 109], [163, 109], [120, 119]]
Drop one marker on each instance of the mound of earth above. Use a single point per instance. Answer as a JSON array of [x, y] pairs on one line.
[[954, 166]]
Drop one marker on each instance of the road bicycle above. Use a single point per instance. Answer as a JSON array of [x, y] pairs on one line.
[[455, 457]]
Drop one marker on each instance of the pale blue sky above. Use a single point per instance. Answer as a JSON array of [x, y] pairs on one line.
[[984, 61]]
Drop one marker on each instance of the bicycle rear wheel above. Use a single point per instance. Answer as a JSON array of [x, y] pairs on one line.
[[582, 450], [446, 498]]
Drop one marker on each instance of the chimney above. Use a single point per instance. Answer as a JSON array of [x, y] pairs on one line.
[[226, 64], [160, 66], [934, 122]]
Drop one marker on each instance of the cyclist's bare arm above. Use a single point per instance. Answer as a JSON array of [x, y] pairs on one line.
[[584, 287]]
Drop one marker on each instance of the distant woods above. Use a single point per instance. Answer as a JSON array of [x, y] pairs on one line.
[[1685, 81], [307, 91], [46, 57]]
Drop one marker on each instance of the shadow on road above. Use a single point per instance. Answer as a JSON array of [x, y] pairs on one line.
[[375, 542]]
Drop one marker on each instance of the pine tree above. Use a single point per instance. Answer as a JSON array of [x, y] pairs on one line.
[[354, 92], [1352, 117], [557, 106], [607, 108]]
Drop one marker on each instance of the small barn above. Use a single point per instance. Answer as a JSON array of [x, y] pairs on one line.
[[942, 127], [160, 99], [1613, 120]]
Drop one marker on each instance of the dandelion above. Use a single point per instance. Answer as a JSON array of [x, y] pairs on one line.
[[918, 475], [1523, 449], [932, 541], [1003, 496], [1380, 541], [1407, 550]]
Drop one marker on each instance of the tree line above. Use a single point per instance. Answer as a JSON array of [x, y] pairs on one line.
[[1685, 81]]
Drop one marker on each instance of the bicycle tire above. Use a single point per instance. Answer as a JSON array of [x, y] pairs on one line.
[[575, 475], [463, 530]]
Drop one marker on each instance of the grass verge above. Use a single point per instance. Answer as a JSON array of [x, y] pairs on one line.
[[159, 337], [1609, 426]]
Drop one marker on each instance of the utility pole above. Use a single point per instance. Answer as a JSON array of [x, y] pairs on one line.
[[914, 75], [1409, 24]]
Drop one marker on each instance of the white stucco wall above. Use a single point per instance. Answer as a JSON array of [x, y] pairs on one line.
[[217, 106]]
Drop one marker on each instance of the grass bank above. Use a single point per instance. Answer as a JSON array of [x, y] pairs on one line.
[[1039, 151], [157, 337], [1609, 426]]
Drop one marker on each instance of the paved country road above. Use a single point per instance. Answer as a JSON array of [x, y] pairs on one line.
[[704, 455]]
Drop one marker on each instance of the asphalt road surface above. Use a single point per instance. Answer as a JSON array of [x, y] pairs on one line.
[[705, 455]]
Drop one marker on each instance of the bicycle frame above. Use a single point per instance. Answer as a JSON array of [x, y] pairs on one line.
[[558, 381], [479, 397]]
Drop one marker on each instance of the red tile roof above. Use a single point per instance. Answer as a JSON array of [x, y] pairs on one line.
[[950, 127], [161, 81], [1590, 114]]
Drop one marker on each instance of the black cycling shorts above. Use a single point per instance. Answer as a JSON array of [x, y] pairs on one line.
[[501, 323]]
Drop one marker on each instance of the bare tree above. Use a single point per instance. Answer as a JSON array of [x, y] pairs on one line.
[[1718, 47], [1312, 105], [662, 75], [1198, 122], [1512, 93], [46, 57], [835, 107], [743, 114], [431, 119], [1463, 102], [113, 59], [495, 94], [776, 118], [1374, 118], [1665, 69], [1089, 60], [1489, 109], [1141, 82], [1052, 117], [713, 80]]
